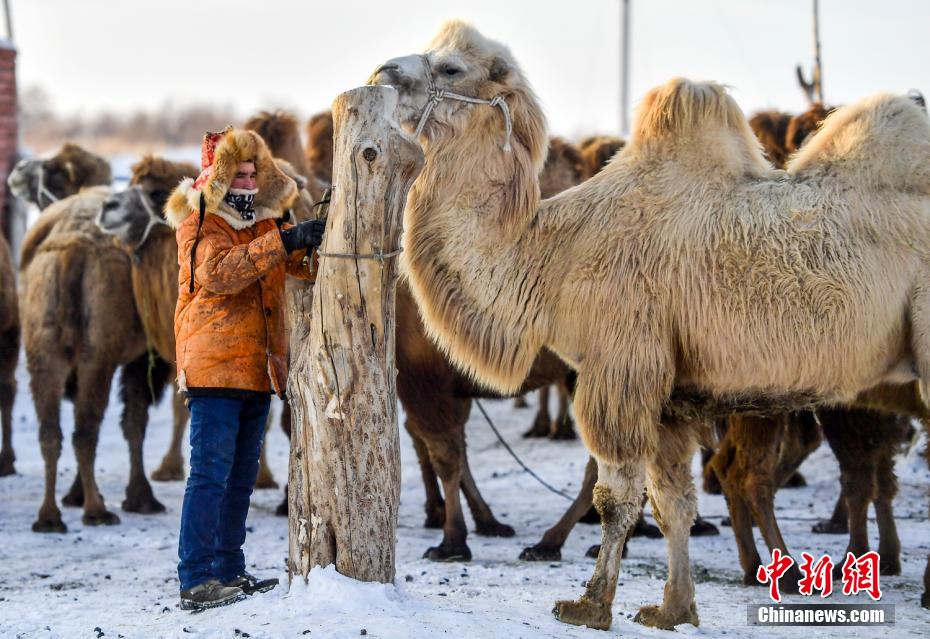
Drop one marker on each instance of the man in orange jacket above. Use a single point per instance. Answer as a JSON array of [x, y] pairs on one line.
[[233, 250]]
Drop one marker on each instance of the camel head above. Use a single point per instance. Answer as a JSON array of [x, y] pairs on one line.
[[43, 181], [133, 214], [461, 62]]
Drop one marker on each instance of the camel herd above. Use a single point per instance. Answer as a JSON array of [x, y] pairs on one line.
[[750, 304]]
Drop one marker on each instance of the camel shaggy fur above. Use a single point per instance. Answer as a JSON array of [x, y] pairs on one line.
[[696, 251], [319, 149], [77, 330], [9, 354], [597, 151]]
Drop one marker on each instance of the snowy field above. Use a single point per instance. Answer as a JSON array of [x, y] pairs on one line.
[[120, 581]]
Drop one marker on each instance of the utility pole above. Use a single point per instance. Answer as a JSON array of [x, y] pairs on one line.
[[625, 68], [813, 89], [8, 20]]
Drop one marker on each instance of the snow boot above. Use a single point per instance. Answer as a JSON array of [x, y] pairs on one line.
[[210, 594], [250, 584]]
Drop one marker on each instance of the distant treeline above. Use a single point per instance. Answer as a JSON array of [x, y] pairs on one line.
[[106, 132]]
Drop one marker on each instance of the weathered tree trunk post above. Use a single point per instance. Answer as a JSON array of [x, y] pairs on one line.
[[345, 448]]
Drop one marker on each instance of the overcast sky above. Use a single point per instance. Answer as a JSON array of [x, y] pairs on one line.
[[92, 55]]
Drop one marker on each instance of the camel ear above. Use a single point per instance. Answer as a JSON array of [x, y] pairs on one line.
[[499, 70]]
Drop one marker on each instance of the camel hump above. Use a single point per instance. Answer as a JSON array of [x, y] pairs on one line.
[[700, 125], [882, 141]]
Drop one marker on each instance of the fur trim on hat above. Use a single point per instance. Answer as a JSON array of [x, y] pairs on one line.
[[276, 191]]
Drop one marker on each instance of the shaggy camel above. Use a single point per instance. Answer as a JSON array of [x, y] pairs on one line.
[[319, 149], [597, 151], [699, 253], [771, 128], [75, 339], [9, 354], [281, 133]]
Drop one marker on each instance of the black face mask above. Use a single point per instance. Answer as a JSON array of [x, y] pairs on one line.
[[241, 200]]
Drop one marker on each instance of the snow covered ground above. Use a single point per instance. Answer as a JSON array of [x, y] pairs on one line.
[[120, 581]]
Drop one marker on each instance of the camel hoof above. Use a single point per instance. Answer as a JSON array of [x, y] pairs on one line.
[[788, 583], [656, 617], [6, 464], [703, 528], [595, 550], [520, 402], [643, 528], [889, 566], [49, 526], [541, 553], [564, 431], [583, 612], [105, 518], [265, 482], [444, 553], [540, 428], [796, 481], [830, 527], [281, 510], [73, 499], [168, 473], [590, 517], [494, 529], [725, 522], [925, 600], [143, 505]]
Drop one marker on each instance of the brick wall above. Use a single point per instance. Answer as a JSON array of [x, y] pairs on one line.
[[8, 132]]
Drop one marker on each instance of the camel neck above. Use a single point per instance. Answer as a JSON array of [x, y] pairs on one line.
[[470, 265]]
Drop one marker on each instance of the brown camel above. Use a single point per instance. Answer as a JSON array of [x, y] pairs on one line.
[[9, 354], [319, 149], [771, 127], [697, 256], [597, 151], [77, 331], [65, 173]]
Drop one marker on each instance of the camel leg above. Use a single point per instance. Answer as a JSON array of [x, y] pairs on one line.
[[674, 505], [281, 510], [172, 464], [889, 546], [93, 385], [446, 455], [549, 548], [542, 424], [563, 427], [617, 497], [74, 498], [265, 477], [726, 465], [435, 505], [486, 523], [47, 390], [711, 484], [838, 523], [7, 397], [520, 402], [136, 397]]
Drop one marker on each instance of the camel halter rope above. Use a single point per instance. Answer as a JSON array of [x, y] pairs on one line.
[[436, 96], [154, 220], [324, 204], [42, 190]]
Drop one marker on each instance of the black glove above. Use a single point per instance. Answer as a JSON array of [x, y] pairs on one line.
[[306, 235]]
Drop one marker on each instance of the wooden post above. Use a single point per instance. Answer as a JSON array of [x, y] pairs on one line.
[[344, 486]]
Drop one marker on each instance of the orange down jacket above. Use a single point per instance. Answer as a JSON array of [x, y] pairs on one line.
[[230, 331]]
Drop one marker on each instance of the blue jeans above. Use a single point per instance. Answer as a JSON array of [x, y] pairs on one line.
[[226, 439]]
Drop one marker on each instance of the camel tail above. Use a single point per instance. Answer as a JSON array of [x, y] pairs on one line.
[[70, 300]]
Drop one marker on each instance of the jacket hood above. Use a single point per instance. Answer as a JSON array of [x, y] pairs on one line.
[[276, 191]]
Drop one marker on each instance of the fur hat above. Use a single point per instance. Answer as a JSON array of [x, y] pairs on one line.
[[221, 155]]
